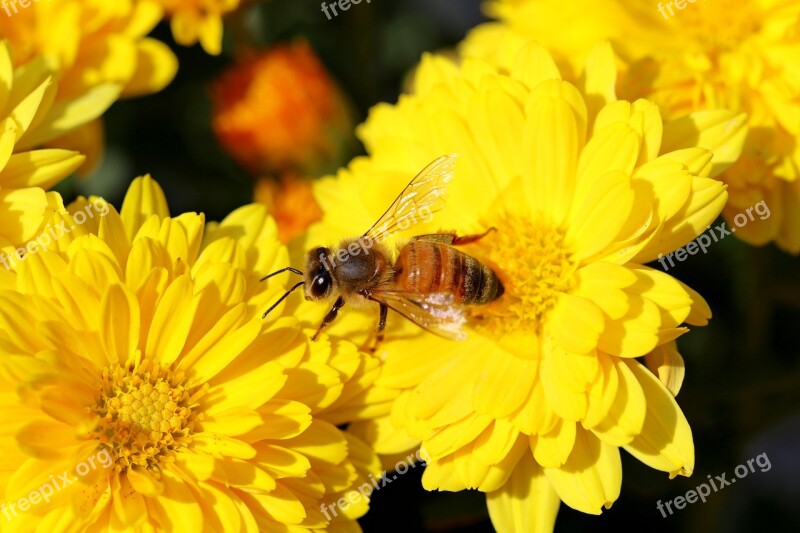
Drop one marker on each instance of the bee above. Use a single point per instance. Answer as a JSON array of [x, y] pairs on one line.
[[429, 283]]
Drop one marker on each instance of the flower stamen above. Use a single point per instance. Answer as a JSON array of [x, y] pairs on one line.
[[534, 266], [146, 414]]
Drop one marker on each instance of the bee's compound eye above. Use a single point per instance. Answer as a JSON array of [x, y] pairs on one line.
[[320, 285]]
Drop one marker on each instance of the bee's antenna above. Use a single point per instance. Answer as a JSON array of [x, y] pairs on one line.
[[290, 269], [282, 298]]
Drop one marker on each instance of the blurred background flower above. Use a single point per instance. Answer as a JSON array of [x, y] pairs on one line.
[[29, 116], [200, 21], [706, 55], [291, 202], [92, 48], [280, 110], [280, 115]]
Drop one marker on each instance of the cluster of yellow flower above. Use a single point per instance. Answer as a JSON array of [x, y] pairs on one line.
[[613, 139], [63, 63]]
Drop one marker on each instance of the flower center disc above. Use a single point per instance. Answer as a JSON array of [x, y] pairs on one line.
[[145, 414], [534, 266]]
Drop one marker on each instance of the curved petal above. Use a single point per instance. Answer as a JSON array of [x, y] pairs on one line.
[[592, 476], [527, 502], [554, 134], [156, 67], [720, 131], [665, 442], [143, 199]]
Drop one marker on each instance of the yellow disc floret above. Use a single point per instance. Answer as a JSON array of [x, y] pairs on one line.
[[146, 414], [534, 266]]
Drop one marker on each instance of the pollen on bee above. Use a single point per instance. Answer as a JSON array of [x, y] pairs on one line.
[[443, 303]]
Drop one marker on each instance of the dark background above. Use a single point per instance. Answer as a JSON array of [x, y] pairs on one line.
[[741, 394]]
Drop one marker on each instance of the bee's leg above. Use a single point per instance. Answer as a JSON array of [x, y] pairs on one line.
[[452, 239], [467, 239], [330, 317], [381, 326]]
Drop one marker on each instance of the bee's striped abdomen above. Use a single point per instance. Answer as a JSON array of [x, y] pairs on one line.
[[427, 267]]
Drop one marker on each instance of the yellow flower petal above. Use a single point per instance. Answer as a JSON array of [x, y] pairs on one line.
[[120, 312], [596, 161], [211, 34], [67, 115], [22, 212], [704, 205], [721, 132], [26, 108], [144, 198], [601, 216], [577, 323], [128, 507], [248, 389], [504, 386], [185, 27], [552, 449], [222, 446], [219, 355], [178, 507], [667, 363], [156, 68], [171, 322], [665, 442], [233, 422], [281, 420], [591, 477], [282, 505], [625, 417], [600, 78], [8, 136], [527, 502], [555, 133], [144, 483], [634, 334], [533, 65]]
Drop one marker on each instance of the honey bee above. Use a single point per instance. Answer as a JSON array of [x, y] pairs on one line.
[[429, 283]]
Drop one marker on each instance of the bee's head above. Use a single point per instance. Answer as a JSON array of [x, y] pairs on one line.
[[318, 280]]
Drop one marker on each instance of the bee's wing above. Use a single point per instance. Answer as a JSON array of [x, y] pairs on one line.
[[420, 199], [435, 312]]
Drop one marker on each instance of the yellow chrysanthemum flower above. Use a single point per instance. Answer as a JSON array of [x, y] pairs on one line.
[[198, 20], [27, 117], [583, 190], [96, 50], [140, 390], [742, 55]]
